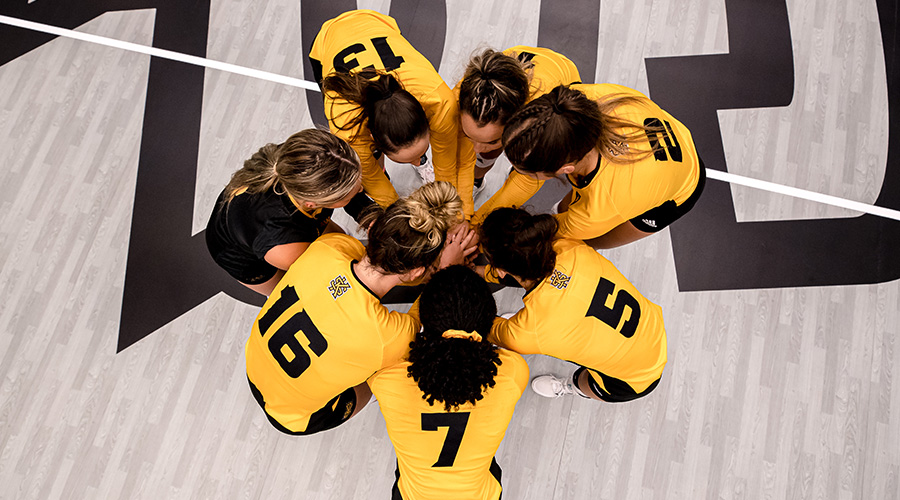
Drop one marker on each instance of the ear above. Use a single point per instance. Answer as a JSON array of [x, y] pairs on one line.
[[566, 169], [413, 275], [500, 273], [309, 205]]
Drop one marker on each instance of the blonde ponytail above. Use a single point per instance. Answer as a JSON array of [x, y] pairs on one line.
[[312, 165]]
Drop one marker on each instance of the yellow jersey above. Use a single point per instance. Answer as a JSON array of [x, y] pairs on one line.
[[618, 192], [321, 332], [550, 70], [587, 312], [447, 455], [365, 39]]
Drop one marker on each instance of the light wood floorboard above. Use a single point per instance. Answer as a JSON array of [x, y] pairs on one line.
[[779, 393]]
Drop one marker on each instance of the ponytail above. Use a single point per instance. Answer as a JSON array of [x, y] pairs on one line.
[[520, 243], [451, 360], [312, 165], [393, 116]]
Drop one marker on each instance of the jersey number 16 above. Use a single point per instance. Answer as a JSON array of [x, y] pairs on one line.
[[284, 344]]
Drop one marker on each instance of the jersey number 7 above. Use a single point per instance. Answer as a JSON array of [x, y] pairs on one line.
[[456, 427], [284, 344]]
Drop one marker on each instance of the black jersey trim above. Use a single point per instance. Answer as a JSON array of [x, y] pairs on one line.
[[353, 272], [588, 178]]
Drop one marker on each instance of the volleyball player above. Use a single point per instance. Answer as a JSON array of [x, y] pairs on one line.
[[323, 331], [279, 203], [385, 98], [448, 405], [633, 167], [496, 85], [577, 307]]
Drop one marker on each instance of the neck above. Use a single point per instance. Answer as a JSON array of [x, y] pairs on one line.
[[587, 164], [526, 284], [374, 278]]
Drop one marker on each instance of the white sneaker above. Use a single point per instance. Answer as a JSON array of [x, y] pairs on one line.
[[551, 387], [425, 170]]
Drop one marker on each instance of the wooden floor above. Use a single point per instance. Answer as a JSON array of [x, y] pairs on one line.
[[768, 394]]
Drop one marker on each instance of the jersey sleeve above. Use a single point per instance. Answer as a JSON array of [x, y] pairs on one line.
[[465, 162], [589, 216], [521, 375], [443, 120], [515, 334], [516, 190], [401, 329], [375, 182]]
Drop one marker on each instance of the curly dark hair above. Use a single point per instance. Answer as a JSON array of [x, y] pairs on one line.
[[520, 243], [454, 371]]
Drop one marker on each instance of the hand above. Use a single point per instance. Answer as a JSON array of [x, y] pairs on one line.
[[462, 242]]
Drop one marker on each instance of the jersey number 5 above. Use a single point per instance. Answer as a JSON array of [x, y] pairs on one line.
[[284, 344], [456, 426], [612, 316]]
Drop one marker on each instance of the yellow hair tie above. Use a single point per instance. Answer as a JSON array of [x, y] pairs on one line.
[[459, 334]]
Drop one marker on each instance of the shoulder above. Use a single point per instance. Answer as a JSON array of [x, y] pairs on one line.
[[361, 18], [605, 90], [514, 366], [347, 247]]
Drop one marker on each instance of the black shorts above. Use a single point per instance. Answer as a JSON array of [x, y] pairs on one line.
[[395, 491], [617, 391], [658, 218], [248, 270], [334, 413]]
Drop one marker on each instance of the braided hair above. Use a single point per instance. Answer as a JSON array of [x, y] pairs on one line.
[[454, 371], [494, 86], [562, 126]]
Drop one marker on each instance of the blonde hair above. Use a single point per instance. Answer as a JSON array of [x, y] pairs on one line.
[[312, 165], [410, 233]]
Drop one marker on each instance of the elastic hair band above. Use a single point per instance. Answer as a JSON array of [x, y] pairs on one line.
[[459, 334]]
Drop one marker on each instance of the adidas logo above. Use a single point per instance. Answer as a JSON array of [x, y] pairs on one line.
[[651, 223]]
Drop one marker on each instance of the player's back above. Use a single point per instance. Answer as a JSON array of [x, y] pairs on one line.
[[448, 455], [587, 312], [321, 332]]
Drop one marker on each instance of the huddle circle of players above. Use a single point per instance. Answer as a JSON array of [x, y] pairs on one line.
[[447, 375]]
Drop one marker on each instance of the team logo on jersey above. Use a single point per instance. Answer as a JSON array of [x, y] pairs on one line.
[[339, 286], [622, 146], [649, 222], [559, 280]]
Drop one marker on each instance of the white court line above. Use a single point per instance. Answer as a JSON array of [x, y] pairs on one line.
[[162, 53], [296, 82], [802, 193]]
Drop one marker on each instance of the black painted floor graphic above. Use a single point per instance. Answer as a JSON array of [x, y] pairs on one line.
[[169, 271]]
